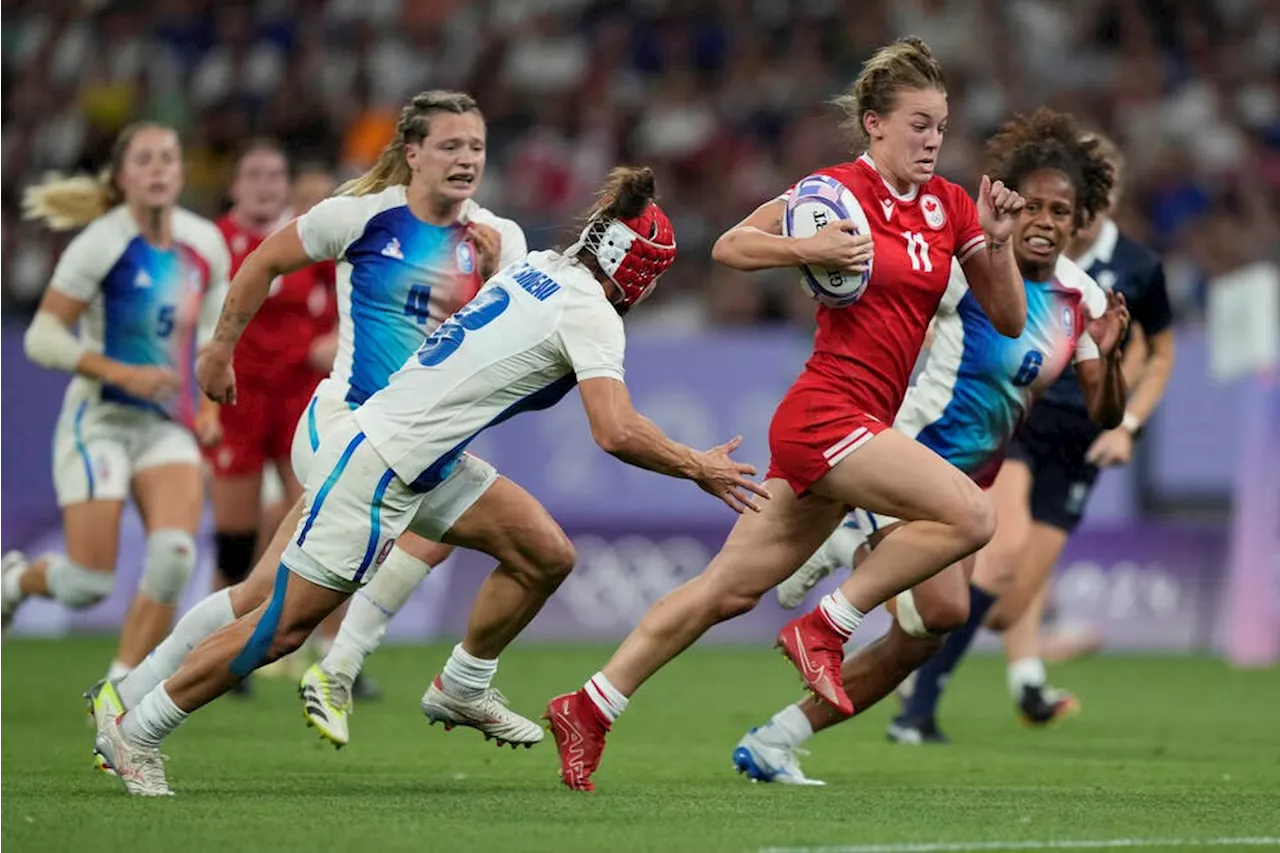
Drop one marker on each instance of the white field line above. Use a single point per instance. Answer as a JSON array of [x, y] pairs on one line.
[[968, 846]]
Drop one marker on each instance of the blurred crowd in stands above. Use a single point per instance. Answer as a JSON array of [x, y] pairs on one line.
[[726, 98]]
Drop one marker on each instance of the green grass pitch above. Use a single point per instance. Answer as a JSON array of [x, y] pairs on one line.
[[1167, 748]]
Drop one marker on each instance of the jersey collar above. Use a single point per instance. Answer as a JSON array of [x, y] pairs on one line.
[[909, 195], [1103, 248]]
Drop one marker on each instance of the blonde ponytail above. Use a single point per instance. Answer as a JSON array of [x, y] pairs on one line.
[[65, 203], [392, 168]]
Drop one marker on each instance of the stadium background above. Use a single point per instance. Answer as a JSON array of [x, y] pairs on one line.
[[726, 101]]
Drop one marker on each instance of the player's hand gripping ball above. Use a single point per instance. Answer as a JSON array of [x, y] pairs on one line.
[[822, 208]]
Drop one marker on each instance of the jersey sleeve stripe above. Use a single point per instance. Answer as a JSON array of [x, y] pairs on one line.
[[968, 249]]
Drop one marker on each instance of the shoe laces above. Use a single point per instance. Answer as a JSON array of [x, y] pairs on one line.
[[337, 692], [150, 764], [340, 695], [495, 696], [790, 763]]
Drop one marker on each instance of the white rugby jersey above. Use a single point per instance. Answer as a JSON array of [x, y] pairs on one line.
[[146, 305], [977, 384], [398, 278], [528, 337]]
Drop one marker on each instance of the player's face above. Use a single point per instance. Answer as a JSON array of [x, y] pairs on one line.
[[261, 187], [151, 172], [1047, 221], [310, 189], [449, 163], [906, 141]]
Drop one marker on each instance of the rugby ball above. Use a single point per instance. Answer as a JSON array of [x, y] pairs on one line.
[[814, 203]]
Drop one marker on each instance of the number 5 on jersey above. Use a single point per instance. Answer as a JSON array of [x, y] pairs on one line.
[[918, 251]]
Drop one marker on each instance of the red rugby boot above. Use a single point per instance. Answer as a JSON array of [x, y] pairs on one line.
[[816, 649], [579, 729]]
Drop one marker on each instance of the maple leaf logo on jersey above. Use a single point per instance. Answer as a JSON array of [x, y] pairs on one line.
[[934, 215], [392, 250]]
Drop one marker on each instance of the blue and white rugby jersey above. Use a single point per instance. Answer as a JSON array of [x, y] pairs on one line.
[[529, 336], [398, 278], [977, 384], [145, 305]]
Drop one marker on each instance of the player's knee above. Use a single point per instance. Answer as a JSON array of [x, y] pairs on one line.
[[235, 555], [548, 556], [942, 615], [734, 603], [76, 586], [171, 558], [976, 519], [722, 589]]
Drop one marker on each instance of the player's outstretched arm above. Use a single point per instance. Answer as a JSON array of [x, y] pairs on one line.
[[279, 254], [623, 432]]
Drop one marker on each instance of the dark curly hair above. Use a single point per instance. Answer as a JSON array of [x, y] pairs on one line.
[[1052, 140]]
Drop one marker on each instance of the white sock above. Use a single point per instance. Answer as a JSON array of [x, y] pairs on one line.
[[118, 670], [606, 697], [789, 727], [152, 721], [465, 675], [841, 615], [210, 615], [1026, 672], [370, 611]]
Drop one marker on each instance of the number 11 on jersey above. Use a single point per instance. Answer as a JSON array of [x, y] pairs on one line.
[[918, 251]]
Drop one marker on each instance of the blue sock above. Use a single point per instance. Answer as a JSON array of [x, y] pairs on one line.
[[933, 675]]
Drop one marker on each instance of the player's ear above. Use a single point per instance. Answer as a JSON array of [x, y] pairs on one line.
[[872, 125]]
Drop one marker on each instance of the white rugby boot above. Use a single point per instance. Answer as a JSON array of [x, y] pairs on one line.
[[762, 761], [140, 769], [13, 563], [104, 708], [837, 551], [326, 704], [488, 714]]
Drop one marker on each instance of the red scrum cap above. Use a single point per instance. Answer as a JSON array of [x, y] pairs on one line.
[[632, 252]]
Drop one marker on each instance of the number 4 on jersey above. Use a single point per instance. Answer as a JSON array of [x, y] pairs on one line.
[[418, 305], [918, 251]]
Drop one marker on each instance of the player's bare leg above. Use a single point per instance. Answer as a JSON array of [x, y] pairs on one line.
[[215, 611], [170, 499], [328, 689], [994, 571], [235, 501], [770, 753], [1019, 614], [78, 579], [895, 476], [534, 556], [275, 628], [761, 550]]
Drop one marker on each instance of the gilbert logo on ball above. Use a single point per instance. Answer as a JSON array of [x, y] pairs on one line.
[[814, 203]]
